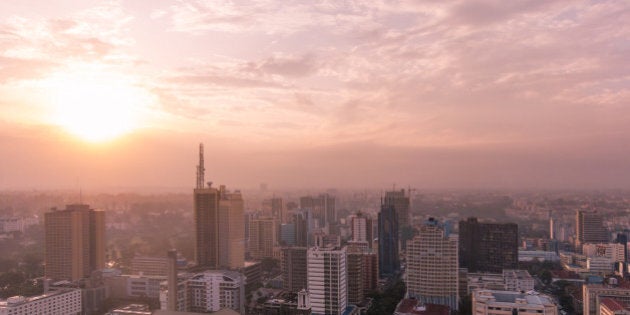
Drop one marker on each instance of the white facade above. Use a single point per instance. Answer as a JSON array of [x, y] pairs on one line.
[[208, 291], [518, 280], [489, 302], [360, 226], [432, 266], [326, 280], [612, 251], [59, 302]]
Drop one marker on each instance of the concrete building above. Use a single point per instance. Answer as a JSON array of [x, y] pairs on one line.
[[490, 302], [610, 306], [589, 228], [293, 266], [75, 242], [59, 302], [488, 247], [209, 291], [262, 238], [415, 307], [322, 209], [327, 284], [134, 286], [361, 227], [231, 229], [432, 271], [613, 251], [219, 225], [593, 294], [518, 280]]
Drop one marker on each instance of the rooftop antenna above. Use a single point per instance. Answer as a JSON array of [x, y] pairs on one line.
[[200, 169]]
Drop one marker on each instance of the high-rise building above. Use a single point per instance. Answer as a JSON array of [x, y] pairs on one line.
[[219, 224], [322, 208], [326, 273], [301, 221], [231, 229], [388, 260], [277, 210], [262, 238], [361, 225], [489, 247], [287, 234], [400, 201], [294, 268], [362, 275], [432, 266], [589, 228], [75, 242]]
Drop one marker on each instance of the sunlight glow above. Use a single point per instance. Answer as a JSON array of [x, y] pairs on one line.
[[97, 107]]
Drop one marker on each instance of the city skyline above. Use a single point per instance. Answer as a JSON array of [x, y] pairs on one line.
[[452, 94]]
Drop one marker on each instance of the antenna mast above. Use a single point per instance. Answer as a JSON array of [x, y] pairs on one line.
[[200, 169]]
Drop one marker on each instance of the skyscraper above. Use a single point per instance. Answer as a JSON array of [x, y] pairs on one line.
[[75, 242], [589, 228], [432, 271], [322, 208], [231, 229], [219, 225], [489, 247], [401, 204], [326, 272], [388, 260]]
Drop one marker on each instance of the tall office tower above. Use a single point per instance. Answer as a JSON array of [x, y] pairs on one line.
[[589, 228], [326, 273], [219, 225], [361, 225], [277, 210], [262, 238], [489, 247], [322, 208], [401, 204], [301, 224], [432, 271], [294, 268], [552, 227], [287, 234], [388, 260], [75, 242], [231, 229], [206, 215]]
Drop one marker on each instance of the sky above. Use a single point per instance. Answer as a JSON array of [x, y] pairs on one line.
[[325, 94]]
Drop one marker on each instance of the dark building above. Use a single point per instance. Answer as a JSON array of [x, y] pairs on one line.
[[206, 205], [294, 268], [489, 247], [300, 223], [400, 201], [388, 260], [589, 228], [322, 208]]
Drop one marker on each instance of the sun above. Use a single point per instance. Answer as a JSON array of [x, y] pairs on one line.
[[98, 106]]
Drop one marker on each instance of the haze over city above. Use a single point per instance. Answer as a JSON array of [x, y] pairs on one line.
[[432, 94]]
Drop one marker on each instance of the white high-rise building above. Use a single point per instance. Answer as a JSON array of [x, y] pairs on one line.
[[432, 266], [361, 226], [326, 280]]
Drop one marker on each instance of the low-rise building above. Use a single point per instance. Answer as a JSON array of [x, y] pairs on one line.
[[66, 301], [491, 302]]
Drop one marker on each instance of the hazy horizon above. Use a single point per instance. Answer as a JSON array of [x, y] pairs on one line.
[[478, 94]]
